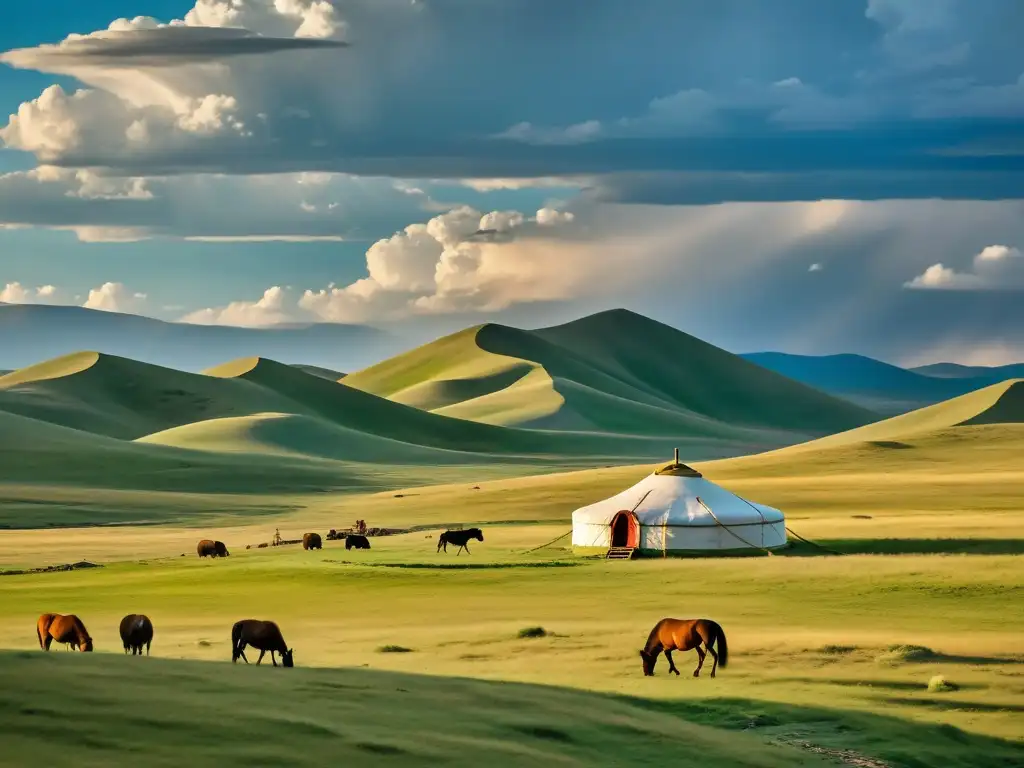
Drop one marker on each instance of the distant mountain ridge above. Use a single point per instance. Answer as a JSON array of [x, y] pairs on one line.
[[33, 333], [880, 386], [613, 372]]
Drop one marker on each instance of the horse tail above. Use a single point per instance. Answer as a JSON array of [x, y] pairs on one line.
[[723, 646], [236, 636]]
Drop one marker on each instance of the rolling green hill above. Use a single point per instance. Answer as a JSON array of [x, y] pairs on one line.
[[615, 372]]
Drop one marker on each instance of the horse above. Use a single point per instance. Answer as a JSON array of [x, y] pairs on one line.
[[683, 635], [209, 548], [356, 541], [68, 630], [264, 635], [136, 631], [461, 538], [311, 541]]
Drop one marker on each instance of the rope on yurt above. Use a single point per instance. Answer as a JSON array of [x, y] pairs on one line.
[[729, 531], [812, 543], [789, 530], [528, 551]]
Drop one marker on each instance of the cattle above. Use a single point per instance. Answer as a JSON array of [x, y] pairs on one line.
[[311, 541], [209, 548], [136, 631], [354, 541], [263, 635]]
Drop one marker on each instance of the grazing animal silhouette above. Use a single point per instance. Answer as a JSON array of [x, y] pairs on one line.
[[460, 538], [355, 541], [136, 631], [68, 630], [264, 635], [312, 541], [209, 548], [683, 635]]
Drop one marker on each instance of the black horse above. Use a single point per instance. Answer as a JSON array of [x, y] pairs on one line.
[[460, 538]]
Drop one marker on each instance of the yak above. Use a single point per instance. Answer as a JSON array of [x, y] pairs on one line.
[[209, 548], [355, 541], [312, 541]]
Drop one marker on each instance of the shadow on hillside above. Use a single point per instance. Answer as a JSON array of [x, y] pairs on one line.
[[853, 737], [945, 704], [904, 547]]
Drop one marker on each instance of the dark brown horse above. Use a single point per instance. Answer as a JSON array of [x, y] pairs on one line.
[[136, 631], [683, 635], [459, 538], [312, 541], [210, 548], [264, 635], [68, 630]]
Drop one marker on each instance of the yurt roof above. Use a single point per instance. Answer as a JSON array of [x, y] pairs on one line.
[[678, 499], [676, 469]]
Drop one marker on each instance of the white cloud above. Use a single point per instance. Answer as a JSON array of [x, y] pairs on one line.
[[16, 293], [269, 309], [115, 297], [995, 267], [815, 267]]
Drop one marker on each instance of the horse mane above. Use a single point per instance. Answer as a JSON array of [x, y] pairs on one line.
[[652, 638]]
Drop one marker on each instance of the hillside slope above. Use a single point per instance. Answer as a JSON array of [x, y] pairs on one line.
[[615, 372]]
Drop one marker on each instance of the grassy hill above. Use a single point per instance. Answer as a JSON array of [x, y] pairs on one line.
[[615, 372], [880, 386], [324, 373]]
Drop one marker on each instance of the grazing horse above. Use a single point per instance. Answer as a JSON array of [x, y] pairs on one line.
[[355, 541], [311, 541], [683, 635], [460, 538], [68, 630], [136, 631], [259, 634], [209, 548]]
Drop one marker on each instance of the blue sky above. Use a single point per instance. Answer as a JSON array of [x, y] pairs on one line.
[[815, 177]]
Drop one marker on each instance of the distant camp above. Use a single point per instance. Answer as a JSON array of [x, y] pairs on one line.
[[68, 630], [264, 635], [210, 548], [136, 631], [676, 510]]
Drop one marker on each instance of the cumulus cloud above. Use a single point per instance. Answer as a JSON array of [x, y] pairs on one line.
[[16, 293], [269, 309], [996, 267], [692, 97], [115, 297]]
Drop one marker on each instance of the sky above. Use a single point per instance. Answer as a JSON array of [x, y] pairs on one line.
[[796, 175]]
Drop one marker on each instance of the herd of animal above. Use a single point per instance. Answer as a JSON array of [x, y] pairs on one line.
[[703, 635], [136, 631]]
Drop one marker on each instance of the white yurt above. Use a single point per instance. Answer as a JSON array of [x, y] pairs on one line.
[[675, 509]]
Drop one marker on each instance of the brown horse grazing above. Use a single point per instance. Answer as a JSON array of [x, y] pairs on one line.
[[312, 541], [209, 548], [136, 631], [259, 634], [683, 635], [68, 630]]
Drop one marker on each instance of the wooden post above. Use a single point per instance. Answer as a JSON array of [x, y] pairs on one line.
[[676, 455]]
